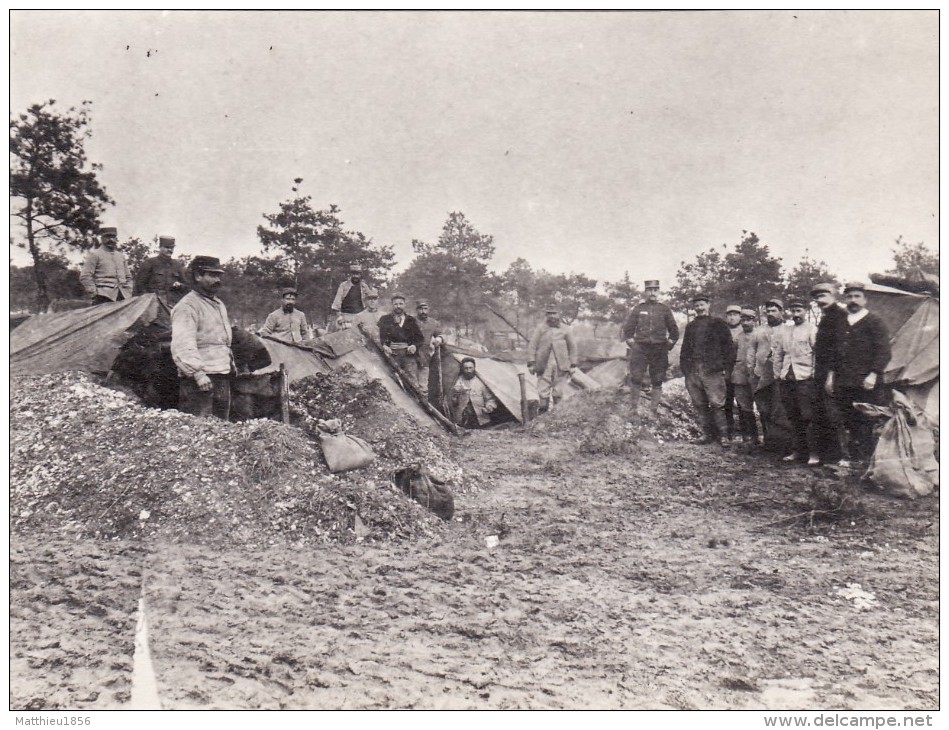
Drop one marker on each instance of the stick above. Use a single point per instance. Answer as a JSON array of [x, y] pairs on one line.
[[525, 410], [284, 394], [506, 321]]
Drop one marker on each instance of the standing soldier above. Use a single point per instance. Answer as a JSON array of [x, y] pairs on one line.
[[733, 320], [551, 352], [862, 357], [741, 378], [201, 344], [162, 275], [650, 332], [105, 273], [828, 426], [287, 323], [401, 338], [762, 373], [350, 298], [793, 359], [432, 330], [707, 354]]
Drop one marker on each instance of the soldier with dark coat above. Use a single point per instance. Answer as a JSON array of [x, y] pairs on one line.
[[350, 299], [650, 332], [828, 426], [432, 330], [708, 352], [862, 356], [162, 275], [401, 337]]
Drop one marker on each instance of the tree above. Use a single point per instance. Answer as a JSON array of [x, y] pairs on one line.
[[704, 275], [624, 295], [315, 251], [62, 282], [909, 259], [136, 251], [55, 193], [459, 238], [806, 274], [598, 310]]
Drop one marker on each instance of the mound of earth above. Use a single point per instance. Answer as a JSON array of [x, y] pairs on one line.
[[88, 461]]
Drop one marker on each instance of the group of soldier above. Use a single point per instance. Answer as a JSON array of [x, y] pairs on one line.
[[788, 369]]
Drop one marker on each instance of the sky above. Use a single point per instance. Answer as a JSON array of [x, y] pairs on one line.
[[595, 143]]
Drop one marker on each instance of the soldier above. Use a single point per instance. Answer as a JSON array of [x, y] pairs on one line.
[[762, 373], [707, 354], [472, 402], [286, 323], [862, 356], [432, 330], [551, 352], [741, 378], [105, 273], [162, 275], [350, 298], [401, 337], [793, 360], [650, 332], [201, 344], [828, 426], [733, 320]]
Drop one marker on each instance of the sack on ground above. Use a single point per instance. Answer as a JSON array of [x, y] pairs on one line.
[[416, 483], [904, 462], [344, 452]]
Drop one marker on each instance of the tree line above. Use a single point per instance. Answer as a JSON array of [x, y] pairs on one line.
[[57, 203]]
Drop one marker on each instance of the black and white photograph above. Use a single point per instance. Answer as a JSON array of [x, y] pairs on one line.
[[474, 360]]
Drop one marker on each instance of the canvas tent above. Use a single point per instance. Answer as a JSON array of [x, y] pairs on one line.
[[91, 339]]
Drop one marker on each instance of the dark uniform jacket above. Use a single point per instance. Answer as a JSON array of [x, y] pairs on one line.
[[651, 323], [707, 342], [158, 274], [864, 348], [829, 332], [408, 334]]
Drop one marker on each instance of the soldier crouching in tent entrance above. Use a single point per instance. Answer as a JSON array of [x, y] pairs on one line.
[[471, 402], [551, 353], [201, 344], [650, 332]]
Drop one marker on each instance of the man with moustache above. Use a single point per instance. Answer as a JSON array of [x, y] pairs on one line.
[[733, 320], [350, 299], [287, 323], [862, 355], [762, 372], [471, 402], [201, 344], [741, 378], [793, 361], [650, 332], [105, 272], [401, 337], [828, 425], [551, 352], [432, 330], [708, 352], [162, 275]]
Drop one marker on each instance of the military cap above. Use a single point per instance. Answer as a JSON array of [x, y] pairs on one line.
[[288, 290], [355, 269], [776, 302], [749, 312], [166, 241], [652, 283], [732, 308], [397, 295], [421, 303], [109, 231], [854, 286], [700, 298], [207, 264], [552, 309], [825, 287], [796, 302]]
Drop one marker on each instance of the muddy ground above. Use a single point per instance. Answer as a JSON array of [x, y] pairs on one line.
[[675, 577]]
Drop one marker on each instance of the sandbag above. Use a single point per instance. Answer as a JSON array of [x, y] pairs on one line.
[[904, 461], [416, 483], [344, 452]]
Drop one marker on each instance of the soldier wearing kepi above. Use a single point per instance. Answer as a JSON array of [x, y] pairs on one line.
[[707, 354], [741, 378], [287, 323], [401, 338], [828, 425], [162, 275], [733, 320], [793, 360], [432, 330], [650, 332], [105, 272], [350, 298], [551, 352], [201, 344]]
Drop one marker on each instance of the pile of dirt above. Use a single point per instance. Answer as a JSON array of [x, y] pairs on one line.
[[600, 419], [88, 461]]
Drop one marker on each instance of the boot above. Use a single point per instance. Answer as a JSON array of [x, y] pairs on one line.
[[708, 429], [656, 399], [721, 427], [635, 391]]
